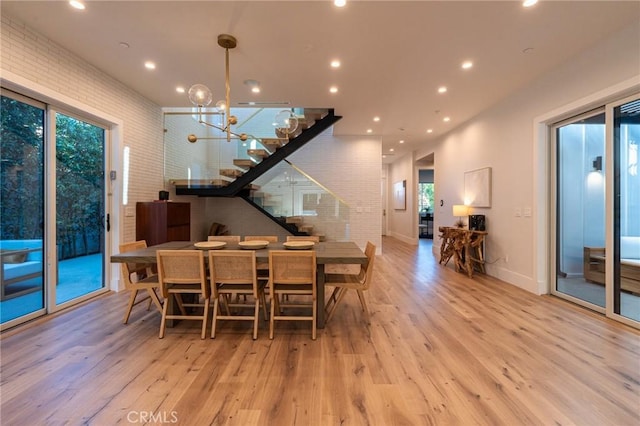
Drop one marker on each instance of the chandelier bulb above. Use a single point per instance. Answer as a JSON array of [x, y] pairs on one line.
[[200, 95], [243, 137], [233, 120], [192, 138]]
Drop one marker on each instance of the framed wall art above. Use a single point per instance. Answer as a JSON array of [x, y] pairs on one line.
[[400, 195], [477, 187]]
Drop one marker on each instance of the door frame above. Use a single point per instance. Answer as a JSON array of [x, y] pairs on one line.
[[542, 235]]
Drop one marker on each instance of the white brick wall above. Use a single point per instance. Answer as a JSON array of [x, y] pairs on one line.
[[34, 57]]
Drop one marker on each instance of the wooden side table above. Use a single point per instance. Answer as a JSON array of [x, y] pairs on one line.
[[465, 246]]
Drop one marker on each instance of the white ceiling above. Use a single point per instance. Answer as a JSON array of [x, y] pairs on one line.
[[394, 54]]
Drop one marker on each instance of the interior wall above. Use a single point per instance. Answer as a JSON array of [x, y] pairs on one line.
[[502, 138]]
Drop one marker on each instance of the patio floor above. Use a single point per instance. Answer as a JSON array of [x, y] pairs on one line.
[[76, 277]]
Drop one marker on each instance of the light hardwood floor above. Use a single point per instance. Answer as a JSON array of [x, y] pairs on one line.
[[442, 349]]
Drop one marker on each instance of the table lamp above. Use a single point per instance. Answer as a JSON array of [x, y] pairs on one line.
[[460, 210]]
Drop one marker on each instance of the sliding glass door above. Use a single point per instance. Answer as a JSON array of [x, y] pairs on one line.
[[580, 208], [80, 207], [53, 211], [626, 208], [597, 210]]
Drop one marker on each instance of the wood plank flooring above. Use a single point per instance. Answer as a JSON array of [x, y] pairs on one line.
[[442, 349]]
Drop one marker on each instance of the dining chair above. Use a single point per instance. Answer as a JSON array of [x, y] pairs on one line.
[[270, 238], [314, 238], [225, 238], [233, 273], [139, 277], [292, 273], [344, 282], [262, 267], [182, 272]]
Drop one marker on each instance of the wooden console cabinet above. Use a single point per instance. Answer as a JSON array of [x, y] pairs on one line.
[[159, 222]]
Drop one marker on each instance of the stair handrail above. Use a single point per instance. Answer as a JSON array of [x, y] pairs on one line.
[[305, 174]]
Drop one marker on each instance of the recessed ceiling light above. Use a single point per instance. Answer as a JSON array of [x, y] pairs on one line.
[[369, 130], [254, 85], [335, 63], [529, 3], [391, 150], [401, 141], [180, 89], [76, 4], [340, 3], [442, 89], [429, 130], [333, 89], [150, 65], [124, 44], [446, 119], [466, 65], [376, 119]]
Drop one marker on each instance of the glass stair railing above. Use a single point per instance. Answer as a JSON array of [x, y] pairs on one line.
[[300, 204], [200, 161]]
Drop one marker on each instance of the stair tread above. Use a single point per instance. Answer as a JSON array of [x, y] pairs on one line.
[[273, 144], [232, 173], [244, 163], [258, 153], [220, 182]]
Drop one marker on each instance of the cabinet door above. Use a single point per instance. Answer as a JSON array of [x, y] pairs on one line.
[[178, 214]]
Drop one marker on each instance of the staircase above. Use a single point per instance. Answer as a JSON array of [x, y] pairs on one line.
[[235, 181], [262, 163]]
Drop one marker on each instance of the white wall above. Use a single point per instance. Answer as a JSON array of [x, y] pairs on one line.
[[505, 138]]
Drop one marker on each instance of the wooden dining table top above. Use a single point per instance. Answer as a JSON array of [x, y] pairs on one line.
[[334, 252]]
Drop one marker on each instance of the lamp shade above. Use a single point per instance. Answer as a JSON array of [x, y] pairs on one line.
[[460, 210]]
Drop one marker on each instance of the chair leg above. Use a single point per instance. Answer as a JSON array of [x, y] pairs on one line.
[[256, 315], [205, 317], [330, 305], [132, 301], [314, 321], [341, 292], [273, 314], [164, 319], [154, 297], [215, 317], [364, 306], [264, 306]]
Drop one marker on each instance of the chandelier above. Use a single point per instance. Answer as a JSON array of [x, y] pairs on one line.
[[285, 122]]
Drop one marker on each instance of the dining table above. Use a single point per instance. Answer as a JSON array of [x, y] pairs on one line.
[[327, 253]]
